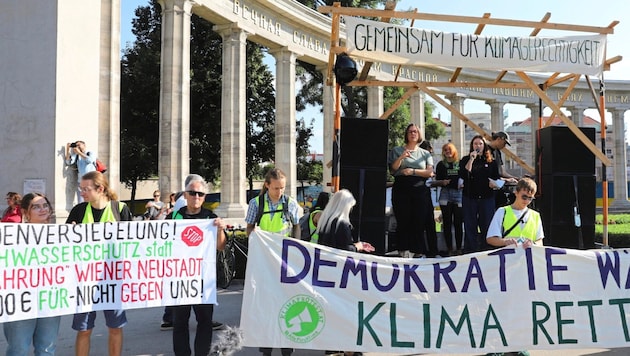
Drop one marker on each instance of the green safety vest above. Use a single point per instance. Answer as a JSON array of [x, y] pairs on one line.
[[528, 231], [108, 215], [274, 223], [312, 228]]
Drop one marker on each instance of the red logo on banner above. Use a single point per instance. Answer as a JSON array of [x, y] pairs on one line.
[[192, 236]]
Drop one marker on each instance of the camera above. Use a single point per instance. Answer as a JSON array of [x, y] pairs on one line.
[[73, 145]]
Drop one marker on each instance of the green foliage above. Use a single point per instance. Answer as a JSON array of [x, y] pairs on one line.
[[139, 103], [618, 230], [432, 129], [140, 85]]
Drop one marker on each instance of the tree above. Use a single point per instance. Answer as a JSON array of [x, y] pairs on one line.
[[140, 83], [139, 99]]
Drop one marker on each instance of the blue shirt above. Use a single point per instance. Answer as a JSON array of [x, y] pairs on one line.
[[84, 165]]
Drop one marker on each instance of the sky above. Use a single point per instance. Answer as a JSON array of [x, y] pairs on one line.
[[574, 12]]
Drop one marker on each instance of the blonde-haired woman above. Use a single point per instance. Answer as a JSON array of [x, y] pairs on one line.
[[41, 333], [446, 177], [100, 205], [334, 228]]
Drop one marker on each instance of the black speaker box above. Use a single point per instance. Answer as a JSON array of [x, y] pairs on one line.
[[557, 203], [561, 152], [363, 171]]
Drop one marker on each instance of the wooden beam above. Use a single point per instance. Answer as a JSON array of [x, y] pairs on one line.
[[334, 43], [399, 102], [556, 109], [353, 11], [478, 30], [473, 125], [385, 83], [389, 5], [532, 34]]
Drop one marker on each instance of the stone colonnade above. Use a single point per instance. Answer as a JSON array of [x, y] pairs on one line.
[[175, 112]]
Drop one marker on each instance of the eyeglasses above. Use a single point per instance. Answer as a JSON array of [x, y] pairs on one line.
[[527, 197], [198, 194], [156, 196], [86, 189], [44, 206], [412, 131]]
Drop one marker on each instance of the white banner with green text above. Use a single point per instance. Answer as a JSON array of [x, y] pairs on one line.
[[59, 269], [308, 296]]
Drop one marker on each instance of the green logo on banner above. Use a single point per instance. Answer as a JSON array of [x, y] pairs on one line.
[[301, 318]]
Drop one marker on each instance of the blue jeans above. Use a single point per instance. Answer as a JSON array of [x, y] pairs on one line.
[[477, 217], [41, 332]]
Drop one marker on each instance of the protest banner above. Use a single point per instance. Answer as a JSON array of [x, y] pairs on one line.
[[378, 41], [59, 269], [308, 296]]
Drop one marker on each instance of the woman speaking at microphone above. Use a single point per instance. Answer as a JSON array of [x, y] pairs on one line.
[[477, 170]]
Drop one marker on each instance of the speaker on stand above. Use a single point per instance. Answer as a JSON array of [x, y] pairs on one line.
[[566, 188], [363, 171]]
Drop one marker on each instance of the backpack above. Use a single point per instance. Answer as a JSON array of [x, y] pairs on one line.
[[305, 230], [100, 166], [285, 212]]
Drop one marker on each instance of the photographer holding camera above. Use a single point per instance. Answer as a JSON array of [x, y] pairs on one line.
[[85, 161]]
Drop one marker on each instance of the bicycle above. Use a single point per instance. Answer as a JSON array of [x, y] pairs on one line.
[[226, 259]]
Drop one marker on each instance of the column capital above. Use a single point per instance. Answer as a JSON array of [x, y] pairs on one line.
[[177, 6], [618, 111], [227, 30], [496, 102], [281, 53]]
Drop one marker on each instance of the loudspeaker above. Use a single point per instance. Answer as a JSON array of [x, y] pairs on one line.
[[561, 152], [557, 208], [363, 171]]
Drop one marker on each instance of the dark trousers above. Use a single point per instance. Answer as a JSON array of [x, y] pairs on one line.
[[167, 317], [452, 219], [267, 351], [411, 200], [477, 217], [181, 335]]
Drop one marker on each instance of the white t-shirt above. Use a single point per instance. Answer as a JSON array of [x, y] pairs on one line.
[[496, 225]]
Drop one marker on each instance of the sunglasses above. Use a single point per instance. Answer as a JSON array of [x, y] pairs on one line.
[[527, 197], [199, 194]]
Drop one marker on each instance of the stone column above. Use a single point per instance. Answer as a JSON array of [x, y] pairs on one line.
[[285, 117], [108, 149], [173, 143], [416, 108], [374, 102], [621, 180], [535, 120], [233, 119], [328, 108], [457, 125], [497, 121], [577, 114]]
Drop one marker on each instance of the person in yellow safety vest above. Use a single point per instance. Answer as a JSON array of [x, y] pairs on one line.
[[99, 205], [279, 215], [517, 224], [308, 222]]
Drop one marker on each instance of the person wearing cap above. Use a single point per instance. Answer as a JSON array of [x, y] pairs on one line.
[[499, 141]]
